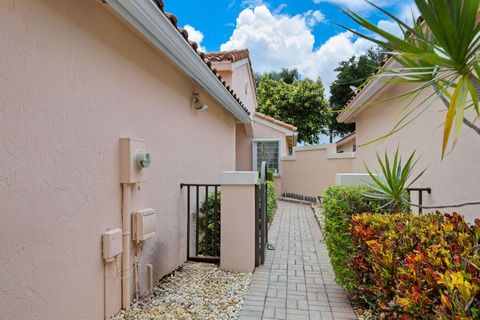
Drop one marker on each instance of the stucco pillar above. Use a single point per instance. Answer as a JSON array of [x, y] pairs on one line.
[[237, 240]]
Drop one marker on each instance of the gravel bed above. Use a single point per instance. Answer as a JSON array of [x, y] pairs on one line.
[[195, 291]]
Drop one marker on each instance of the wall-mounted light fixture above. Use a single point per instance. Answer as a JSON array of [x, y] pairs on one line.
[[197, 104]]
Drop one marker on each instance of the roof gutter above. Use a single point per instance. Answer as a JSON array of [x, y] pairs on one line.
[[147, 18]]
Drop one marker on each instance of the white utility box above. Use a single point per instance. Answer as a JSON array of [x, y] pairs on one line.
[[112, 244], [133, 159], [144, 224]]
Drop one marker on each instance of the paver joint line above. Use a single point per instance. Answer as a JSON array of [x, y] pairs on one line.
[[296, 281]]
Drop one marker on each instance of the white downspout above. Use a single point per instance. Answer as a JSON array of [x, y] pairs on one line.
[[126, 227]]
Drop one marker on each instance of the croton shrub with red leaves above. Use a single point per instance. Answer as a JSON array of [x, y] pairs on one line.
[[418, 267]]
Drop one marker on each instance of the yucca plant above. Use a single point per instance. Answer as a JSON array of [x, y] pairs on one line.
[[391, 184], [440, 51]]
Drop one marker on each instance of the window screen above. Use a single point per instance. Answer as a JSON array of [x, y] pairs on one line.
[[268, 151]]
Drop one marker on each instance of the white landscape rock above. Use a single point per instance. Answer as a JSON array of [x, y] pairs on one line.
[[196, 291]]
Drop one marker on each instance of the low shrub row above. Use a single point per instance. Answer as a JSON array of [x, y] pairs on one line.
[[420, 267], [406, 265], [339, 204], [271, 200]]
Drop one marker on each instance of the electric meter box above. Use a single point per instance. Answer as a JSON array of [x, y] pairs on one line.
[[112, 244], [133, 159], [144, 224]]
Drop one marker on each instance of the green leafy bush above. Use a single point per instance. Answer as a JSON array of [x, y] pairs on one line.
[[269, 176], [271, 200], [420, 267], [210, 228], [339, 204]]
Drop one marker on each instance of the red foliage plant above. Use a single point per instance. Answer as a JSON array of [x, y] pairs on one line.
[[418, 267]]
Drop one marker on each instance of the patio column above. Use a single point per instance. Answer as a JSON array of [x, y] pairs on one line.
[[237, 240]]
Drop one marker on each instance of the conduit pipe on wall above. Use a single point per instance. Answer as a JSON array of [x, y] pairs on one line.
[[126, 227], [150, 277]]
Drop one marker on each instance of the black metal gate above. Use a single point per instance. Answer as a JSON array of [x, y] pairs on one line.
[[203, 222], [261, 217]]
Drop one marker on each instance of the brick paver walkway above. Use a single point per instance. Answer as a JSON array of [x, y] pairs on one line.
[[297, 280]]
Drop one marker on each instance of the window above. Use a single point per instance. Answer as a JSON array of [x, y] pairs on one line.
[[268, 151]]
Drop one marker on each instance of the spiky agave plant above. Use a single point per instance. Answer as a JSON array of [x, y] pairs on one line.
[[390, 186], [440, 51]]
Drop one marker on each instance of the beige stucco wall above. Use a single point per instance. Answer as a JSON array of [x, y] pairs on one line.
[[237, 252], [243, 149], [311, 171], [74, 79], [453, 180], [243, 85]]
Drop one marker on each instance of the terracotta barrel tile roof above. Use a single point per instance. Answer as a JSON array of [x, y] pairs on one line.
[[230, 56], [184, 33], [275, 121]]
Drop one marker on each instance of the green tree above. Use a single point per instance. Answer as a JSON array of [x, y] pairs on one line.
[[351, 73], [301, 103], [286, 74], [440, 51]]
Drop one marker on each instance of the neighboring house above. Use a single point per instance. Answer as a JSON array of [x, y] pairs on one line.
[[312, 169], [347, 143], [453, 179], [271, 140], [76, 76]]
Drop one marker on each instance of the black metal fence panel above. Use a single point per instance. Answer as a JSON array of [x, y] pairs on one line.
[[261, 217], [203, 222]]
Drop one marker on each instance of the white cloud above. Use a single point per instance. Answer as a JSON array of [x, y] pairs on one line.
[[356, 5], [390, 26], [282, 41], [313, 17], [252, 3], [404, 14], [195, 35], [325, 59], [275, 41], [406, 10]]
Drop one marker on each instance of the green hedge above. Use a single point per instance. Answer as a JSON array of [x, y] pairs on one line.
[[271, 200], [213, 230], [418, 267], [339, 204]]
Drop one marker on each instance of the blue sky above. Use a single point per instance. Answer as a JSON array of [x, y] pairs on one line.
[[300, 34]]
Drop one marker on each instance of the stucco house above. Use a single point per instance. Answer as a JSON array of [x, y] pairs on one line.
[[271, 140], [76, 77], [452, 180], [347, 143]]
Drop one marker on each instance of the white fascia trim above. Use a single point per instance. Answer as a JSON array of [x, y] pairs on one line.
[[273, 126], [147, 18], [365, 94], [346, 140], [310, 148], [239, 63]]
